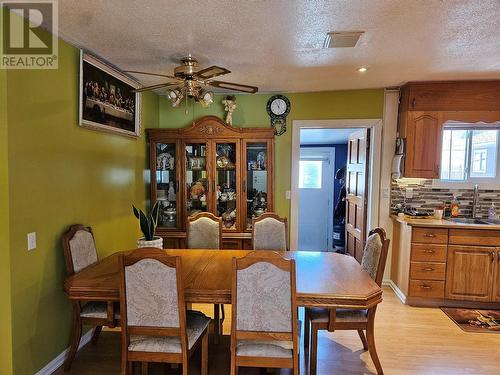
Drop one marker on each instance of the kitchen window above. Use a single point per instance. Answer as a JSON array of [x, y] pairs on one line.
[[469, 154]]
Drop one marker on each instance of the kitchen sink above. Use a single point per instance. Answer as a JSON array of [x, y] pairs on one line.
[[469, 220]]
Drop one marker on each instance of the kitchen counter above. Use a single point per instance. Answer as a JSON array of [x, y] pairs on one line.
[[435, 223]]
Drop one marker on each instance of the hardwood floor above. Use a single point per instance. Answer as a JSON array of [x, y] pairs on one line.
[[409, 341]]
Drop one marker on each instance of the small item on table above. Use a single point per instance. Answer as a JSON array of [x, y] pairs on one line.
[[455, 207]]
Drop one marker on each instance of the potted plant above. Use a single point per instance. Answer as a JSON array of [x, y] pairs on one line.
[[148, 227]]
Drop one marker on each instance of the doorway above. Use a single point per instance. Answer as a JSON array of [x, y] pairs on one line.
[[314, 197]]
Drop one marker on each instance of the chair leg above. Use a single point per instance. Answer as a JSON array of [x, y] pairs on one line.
[[234, 369], [204, 354], [95, 335], [75, 339], [362, 336], [216, 324], [307, 328], [370, 334], [314, 349]]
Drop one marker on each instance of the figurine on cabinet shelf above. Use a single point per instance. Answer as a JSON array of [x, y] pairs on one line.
[[171, 192], [229, 106]]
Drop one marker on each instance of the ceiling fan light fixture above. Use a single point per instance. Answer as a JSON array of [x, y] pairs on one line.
[[207, 98], [175, 96]]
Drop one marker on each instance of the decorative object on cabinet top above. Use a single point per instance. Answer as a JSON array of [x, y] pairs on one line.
[[229, 106]]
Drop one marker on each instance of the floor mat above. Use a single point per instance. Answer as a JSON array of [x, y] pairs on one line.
[[475, 320]]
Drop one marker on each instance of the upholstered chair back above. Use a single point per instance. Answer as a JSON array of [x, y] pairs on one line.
[[270, 233], [263, 298], [204, 231], [151, 294], [375, 254], [79, 248]]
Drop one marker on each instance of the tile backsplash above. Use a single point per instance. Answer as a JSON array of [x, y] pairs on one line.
[[425, 196]]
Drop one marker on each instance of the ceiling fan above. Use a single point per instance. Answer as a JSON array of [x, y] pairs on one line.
[[188, 81]]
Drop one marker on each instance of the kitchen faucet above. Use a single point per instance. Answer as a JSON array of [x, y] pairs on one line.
[[475, 200]]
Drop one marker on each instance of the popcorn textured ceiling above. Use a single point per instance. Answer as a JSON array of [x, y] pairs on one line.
[[277, 45]]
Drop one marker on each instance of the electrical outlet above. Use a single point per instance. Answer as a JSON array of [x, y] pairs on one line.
[[409, 193], [288, 194], [31, 241]]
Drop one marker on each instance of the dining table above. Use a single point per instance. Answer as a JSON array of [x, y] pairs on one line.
[[323, 279]]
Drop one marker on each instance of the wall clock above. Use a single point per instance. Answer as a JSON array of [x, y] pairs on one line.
[[278, 107]]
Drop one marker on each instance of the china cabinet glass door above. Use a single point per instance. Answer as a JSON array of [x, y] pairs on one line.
[[226, 184], [256, 180], [196, 178], [167, 184]]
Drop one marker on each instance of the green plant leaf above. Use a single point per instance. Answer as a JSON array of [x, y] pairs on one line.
[[145, 228], [136, 211], [154, 214]]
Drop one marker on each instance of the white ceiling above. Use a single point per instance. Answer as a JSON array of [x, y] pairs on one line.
[[325, 136], [277, 44]]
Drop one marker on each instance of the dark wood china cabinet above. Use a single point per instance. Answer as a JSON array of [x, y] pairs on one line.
[[211, 167]]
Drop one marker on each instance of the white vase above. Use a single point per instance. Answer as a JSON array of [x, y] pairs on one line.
[[157, 242]]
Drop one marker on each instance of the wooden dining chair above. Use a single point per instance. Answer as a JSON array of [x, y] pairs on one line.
[[264, 326], [373, 262], [155, 324], [204, 231], [270, 232], [79, 253]]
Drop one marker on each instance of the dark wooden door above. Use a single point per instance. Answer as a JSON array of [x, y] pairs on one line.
[[469, 273], [423, 145], [356, 192]]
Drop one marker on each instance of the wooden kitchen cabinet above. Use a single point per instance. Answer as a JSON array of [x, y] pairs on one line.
[[424, 109], [423, 144], [496, 277], [470, 271]]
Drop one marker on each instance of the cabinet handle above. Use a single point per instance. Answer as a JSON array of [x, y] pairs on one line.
[[430, 235], [413, 103], [429, 251], [423, 286], [429, 269]]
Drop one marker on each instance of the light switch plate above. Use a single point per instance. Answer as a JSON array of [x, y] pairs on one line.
[[288, 194], [31, 241]]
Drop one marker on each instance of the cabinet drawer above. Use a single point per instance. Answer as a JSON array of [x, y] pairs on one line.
[[475, 237], [430, 235], [428, 252], [426, 288], [427, 271], [231, 244]]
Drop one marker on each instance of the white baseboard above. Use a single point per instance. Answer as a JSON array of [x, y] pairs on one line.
[[401, 296], [58, 361]]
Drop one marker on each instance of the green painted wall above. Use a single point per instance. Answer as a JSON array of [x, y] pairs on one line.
[[5, 304], [251, 112], [60, 174]]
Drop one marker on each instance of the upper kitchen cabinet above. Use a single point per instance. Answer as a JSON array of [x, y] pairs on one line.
[[425, 108]]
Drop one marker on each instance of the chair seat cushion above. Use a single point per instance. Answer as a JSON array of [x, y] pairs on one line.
[[196, 322], [256, 348], [95, 309], [321, 315]]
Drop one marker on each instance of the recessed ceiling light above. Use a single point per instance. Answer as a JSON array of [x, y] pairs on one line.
[[363, 69]]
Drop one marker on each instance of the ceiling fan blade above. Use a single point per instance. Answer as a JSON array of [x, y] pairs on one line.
[[234, 86], [154, 87], [212, 71], [151, 74]]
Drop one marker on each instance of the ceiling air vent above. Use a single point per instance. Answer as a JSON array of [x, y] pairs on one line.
[[342, 39]]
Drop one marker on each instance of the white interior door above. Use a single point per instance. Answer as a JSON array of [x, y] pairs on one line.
[[316, 198]]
